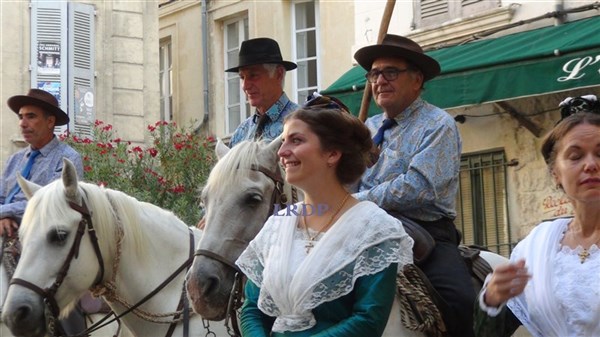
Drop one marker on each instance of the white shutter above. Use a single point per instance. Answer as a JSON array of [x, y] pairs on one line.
[[81, 68], [48, 50]]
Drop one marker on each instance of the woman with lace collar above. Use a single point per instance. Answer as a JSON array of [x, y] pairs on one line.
[[552, 285], [327, 265]]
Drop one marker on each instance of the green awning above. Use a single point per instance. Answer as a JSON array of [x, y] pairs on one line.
[[534, 62]]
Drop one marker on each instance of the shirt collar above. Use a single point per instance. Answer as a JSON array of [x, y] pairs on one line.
[[277, 108], [44, 151], [410, 110]]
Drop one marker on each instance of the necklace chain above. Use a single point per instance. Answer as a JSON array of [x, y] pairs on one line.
[[310, 243], [584, 253]]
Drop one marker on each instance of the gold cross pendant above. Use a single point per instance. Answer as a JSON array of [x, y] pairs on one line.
[[583, 255], [309, 245]]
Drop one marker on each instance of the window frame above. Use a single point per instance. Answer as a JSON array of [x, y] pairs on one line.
[[243, 104], [298, 89]]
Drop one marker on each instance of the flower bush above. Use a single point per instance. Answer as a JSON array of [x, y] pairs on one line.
[[168, 173]]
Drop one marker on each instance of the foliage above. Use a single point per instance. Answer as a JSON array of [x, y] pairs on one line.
[[167, 174]]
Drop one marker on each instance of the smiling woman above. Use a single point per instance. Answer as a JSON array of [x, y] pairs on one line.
[[328, 289]]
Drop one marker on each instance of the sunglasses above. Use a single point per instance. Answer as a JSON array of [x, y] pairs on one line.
[[571, 106], [328, 102]]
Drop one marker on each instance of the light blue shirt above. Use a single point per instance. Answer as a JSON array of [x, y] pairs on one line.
[[46, 168], [417, 172], [273, 128]]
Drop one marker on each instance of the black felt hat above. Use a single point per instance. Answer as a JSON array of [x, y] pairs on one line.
[[261, 50], [42, 99]]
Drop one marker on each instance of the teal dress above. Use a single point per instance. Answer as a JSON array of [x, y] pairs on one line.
[[362, 312]]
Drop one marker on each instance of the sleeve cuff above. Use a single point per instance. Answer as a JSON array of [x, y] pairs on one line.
[[491, 311]]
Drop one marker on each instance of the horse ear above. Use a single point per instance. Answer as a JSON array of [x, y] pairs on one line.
[[69, 178], [221, 149], [29, 188], [274, 145]]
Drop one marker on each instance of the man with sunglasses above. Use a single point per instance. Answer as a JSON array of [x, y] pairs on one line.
[[417, 172]]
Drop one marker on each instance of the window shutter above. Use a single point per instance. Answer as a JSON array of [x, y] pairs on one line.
[[48, 50], [81, 68], [429, 12]]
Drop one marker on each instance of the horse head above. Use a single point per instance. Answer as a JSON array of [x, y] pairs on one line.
[[48, 233], [243, 189]]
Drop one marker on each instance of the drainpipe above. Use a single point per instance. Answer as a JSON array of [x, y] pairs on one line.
[[559, 7], [205, 69]]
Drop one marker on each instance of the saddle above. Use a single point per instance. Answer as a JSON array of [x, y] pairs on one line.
[[420, 304]]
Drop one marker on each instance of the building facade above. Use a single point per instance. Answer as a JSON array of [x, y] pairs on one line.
[[505, 186], [99, 58]]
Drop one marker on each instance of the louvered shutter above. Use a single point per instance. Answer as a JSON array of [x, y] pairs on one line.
[[81, 68], [48, 50]]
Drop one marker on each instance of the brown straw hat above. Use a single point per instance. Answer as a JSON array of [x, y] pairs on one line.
[[42, 99], [401, 47], [261, 50]]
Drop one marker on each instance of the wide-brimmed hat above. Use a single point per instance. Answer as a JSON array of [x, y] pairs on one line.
[[402, 47], [261, 50], [42, 99]]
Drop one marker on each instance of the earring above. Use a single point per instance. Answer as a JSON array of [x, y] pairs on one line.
[[329, 165]]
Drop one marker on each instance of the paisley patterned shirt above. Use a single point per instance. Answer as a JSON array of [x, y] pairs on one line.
[[418, 169], [47, 167], [273, 127]]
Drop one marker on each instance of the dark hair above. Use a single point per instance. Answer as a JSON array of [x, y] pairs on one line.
[[338, 130], [561, 129]]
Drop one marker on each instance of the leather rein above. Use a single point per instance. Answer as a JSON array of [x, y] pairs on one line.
[[236, 295]]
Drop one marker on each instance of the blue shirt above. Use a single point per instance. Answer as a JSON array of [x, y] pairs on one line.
[[273, 128], [417, 173], [47, 167]]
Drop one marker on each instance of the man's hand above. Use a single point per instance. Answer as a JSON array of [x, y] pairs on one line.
[[8, 227]]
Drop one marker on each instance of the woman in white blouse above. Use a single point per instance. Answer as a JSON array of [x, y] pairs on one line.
[[552, 285]]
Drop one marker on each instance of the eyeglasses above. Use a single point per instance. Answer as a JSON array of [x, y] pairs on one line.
[[389, 74], [328, 102]]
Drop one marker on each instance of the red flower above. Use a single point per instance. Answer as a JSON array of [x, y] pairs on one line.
[[153, 152], [87, 168]]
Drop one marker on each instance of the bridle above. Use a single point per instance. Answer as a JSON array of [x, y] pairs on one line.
[[49, 293], [54, 327], [236, 295]]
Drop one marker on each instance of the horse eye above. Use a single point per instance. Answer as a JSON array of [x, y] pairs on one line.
[[58, 237], [253, 199]]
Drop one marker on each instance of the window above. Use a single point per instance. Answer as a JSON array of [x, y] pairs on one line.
[[166, 80], [482, 214], [62, 59], [238, 109], [435, 12], [306, 40]]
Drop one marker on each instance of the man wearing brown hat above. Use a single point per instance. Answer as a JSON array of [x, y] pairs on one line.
[[40, 162], [416, 174], [262, 72]]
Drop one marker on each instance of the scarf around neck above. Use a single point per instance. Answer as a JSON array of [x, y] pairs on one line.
[[363, 241]]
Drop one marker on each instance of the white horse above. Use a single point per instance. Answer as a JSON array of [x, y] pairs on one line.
[[125, 251], [239, 196]]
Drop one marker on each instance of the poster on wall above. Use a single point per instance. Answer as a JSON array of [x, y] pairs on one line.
[[51, 87], [48, 58], [84, 105]]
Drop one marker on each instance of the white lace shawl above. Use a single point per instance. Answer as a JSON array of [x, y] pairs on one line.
[[537, 307], [364, 241]]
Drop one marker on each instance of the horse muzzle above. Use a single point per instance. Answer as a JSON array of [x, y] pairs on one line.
[[24, 314]]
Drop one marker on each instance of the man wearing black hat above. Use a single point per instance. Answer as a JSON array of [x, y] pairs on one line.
[[40, 162], [262, 72], [417, 172]]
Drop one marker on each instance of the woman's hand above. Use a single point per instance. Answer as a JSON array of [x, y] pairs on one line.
[[507, 281]]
